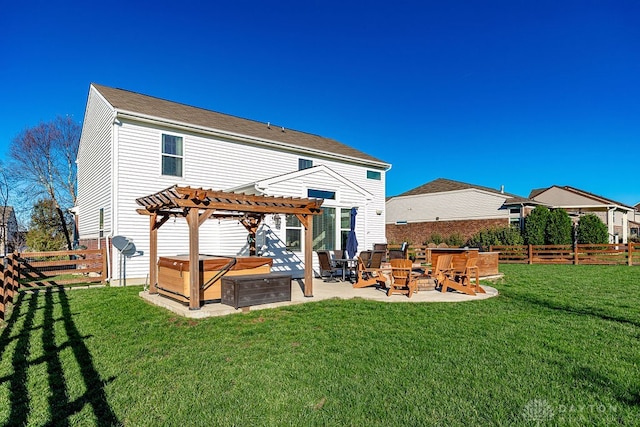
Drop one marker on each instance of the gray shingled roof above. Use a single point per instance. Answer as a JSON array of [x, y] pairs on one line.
[[127, 101], [441, 185]]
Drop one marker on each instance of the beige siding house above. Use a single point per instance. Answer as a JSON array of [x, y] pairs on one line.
[[578, 202]]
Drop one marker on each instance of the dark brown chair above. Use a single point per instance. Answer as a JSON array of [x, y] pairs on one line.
[[402, 253], [381, 247], [366, 257], [324, 259], [375, 262]]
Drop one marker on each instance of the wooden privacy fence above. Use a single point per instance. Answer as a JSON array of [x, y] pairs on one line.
[[33, 270], [610, 254]]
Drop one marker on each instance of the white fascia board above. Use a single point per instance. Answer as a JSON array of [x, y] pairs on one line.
[[601, 206], [250, 188], [244, 138]]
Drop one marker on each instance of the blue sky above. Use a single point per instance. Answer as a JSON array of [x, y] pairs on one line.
[[524, 94]]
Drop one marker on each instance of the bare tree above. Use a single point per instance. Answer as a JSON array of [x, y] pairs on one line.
[[4, 201], [44, 163]]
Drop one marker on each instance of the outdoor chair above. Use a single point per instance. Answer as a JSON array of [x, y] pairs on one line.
[[366, 276], [338, 254], [402, 253], [442, 267], [402, 279], [326, 267], [375, 262], [460, 280], [381, 247], [366, 257]]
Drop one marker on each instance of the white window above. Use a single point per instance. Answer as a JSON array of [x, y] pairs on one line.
[[172, 155], [293, 233], [374, 175], [324, 230], [304, 164], [345, 227]]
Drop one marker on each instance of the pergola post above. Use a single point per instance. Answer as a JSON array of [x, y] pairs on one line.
[[308, 256], [194, 259], [153, 255]]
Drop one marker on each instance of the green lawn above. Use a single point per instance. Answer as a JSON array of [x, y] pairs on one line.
[[559, 346]]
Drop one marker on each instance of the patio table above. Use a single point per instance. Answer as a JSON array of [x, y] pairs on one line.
[[346, 264]]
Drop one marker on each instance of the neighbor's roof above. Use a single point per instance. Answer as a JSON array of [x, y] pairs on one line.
[[441, 185], [583, 193], [132, 102]]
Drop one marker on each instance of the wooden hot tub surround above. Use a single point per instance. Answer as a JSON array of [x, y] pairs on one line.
[[174, 274]]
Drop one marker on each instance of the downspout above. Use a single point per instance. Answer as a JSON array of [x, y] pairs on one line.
[[108, 252], [116, 123], [610, 224]]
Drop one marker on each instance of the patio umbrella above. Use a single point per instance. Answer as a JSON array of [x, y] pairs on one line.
[[352, 242]]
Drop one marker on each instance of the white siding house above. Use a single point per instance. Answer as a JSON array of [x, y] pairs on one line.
[[133, 145]]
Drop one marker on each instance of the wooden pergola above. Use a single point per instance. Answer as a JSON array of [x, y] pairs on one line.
[[197, 205]]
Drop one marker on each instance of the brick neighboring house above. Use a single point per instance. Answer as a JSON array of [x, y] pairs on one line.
[[619, 218], [445, 207]]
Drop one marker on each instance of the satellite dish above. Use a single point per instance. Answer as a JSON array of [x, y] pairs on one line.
[[127, 249], [124, 245]]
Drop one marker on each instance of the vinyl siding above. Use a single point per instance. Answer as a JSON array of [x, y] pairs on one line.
[[219, 164], [446, 206], [560, 197], [94, 167]]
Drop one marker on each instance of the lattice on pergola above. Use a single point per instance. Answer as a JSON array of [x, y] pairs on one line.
[[198, 204]]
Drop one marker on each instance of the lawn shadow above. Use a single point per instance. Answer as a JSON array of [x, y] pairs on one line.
[[585, 311], [628, 397], [60, 405]]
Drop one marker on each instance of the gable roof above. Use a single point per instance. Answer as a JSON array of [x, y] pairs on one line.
[[441, 185], [131, 102], [264, 183], [536, 192]]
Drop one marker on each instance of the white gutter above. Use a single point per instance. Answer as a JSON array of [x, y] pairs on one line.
[[243, 138]]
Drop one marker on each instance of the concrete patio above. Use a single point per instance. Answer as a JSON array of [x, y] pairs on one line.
[[321, 291]]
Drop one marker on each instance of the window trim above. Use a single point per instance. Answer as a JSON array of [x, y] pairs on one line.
[[374, 175], [176, 156], [302, 160]]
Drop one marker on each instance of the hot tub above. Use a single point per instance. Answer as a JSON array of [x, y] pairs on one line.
[[174, 277], [487, 261]]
